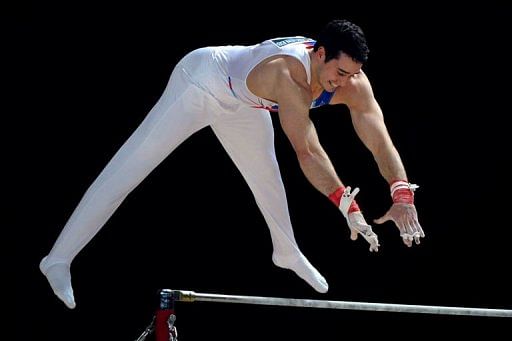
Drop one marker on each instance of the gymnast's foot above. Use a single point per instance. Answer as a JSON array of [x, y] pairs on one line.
[[59, 277], [303, 268]]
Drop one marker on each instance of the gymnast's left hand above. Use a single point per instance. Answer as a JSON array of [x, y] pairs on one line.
[[405, 218]]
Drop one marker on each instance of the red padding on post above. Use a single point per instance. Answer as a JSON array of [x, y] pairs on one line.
[[161, 326]]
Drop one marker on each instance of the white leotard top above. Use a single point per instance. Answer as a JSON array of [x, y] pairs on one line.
[[238, 61]]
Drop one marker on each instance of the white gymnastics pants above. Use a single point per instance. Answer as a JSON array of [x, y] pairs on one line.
[[195, 97]]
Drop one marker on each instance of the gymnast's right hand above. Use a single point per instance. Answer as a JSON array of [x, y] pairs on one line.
[[358, 225], [344, 199]]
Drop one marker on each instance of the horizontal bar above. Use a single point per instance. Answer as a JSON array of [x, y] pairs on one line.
[[191, 296]]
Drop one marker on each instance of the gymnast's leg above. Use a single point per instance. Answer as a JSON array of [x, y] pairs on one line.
[[248, 137], [179, 113]]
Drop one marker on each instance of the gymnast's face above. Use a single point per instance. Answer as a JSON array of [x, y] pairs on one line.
[[336, 72]]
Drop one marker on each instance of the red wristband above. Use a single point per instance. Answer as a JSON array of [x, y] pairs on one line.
[[335, 197], [401, 192]]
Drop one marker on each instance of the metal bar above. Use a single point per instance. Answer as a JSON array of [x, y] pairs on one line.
[[191, 296]]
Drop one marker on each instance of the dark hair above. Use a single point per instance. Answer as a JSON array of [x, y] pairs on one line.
[[343, 36]]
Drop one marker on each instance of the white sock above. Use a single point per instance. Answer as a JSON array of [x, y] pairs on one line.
[[59, 277], [303, 268]]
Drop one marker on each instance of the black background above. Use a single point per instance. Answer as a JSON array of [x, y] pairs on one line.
[[86, 75]]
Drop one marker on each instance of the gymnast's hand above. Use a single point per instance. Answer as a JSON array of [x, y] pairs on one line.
[[405, 218], [358, 225], [403, 212], [344, 199]]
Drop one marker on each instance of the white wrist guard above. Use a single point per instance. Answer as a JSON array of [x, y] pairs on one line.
[[402, 185], [346, 200]]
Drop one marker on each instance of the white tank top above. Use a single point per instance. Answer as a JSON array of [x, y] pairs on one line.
[[238, 61]]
